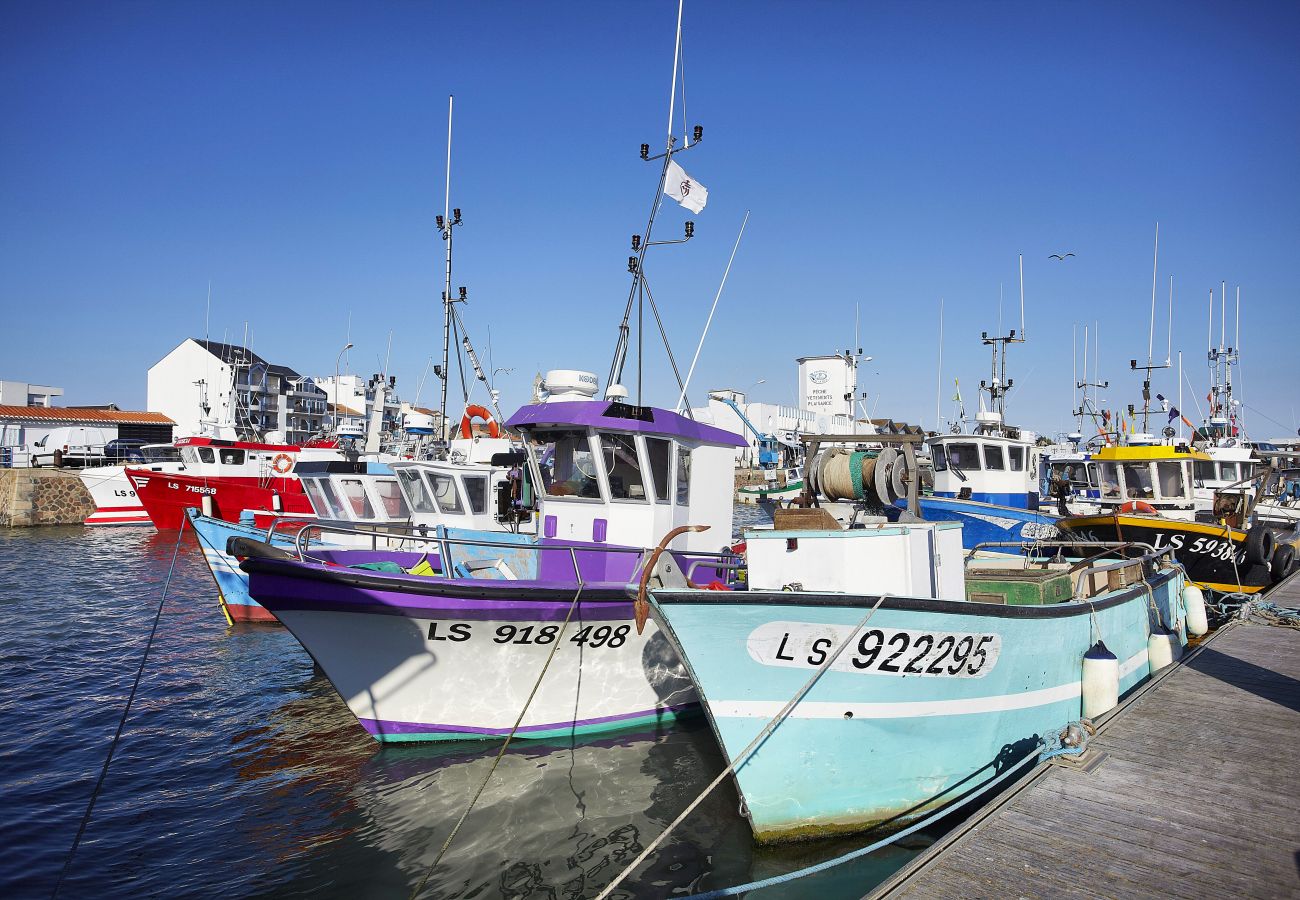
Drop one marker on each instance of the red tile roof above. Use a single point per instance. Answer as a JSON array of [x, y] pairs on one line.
[[74, 414]]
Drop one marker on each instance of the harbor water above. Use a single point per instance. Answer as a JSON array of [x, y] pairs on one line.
[[240, 773]]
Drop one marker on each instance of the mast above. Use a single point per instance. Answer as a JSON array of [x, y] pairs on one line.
[[998, 384], [1151, 334], [445, 224], [639, 291]]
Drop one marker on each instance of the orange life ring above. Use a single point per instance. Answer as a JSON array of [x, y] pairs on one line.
[[474, 411], [1139, 507], [282, 463]]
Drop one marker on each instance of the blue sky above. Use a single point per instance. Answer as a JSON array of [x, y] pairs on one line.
[[891, 154]]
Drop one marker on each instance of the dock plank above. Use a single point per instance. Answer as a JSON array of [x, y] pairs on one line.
[[1195, 798]]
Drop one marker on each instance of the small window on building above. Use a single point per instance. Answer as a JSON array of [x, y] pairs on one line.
[[390, 497], [623, 466], [416, 492], [993, 458], [206, 455], [683, 475], [1171, 480], [1017, 455], [444, 492], [232, 457], [660, 451], [476, 489]]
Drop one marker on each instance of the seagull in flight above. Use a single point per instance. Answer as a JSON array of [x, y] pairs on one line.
[[1059, 256]]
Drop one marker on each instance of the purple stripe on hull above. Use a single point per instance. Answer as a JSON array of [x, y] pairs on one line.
[[383, 726], [281, 593]]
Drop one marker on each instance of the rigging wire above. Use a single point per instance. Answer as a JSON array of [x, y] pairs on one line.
[[121, 724]]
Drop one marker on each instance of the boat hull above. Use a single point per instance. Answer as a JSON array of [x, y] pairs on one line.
[[166, 496], [115, 498], [422, 659], [867, 747], [1214, 556], [989, 522]]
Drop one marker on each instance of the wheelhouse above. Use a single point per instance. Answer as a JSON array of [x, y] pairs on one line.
[[354, 492], [986, 468], [1161, 476], [622, 474]]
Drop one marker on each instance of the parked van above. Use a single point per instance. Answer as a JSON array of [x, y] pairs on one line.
[[72, 445]]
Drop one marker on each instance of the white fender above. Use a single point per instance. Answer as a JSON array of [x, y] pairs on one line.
[[1163, 649], [1194, 606], [1100, 681]]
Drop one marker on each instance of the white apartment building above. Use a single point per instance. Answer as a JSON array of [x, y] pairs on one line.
[[206, 384], [21, 393]]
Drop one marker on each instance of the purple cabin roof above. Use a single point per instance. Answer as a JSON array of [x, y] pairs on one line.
[[591, 413]]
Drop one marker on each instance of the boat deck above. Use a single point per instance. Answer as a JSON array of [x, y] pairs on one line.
[[1194, 797]]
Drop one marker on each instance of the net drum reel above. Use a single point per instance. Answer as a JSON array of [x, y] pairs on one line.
[[876, 478]]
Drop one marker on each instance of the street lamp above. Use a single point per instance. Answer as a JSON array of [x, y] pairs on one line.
[[337, 360]]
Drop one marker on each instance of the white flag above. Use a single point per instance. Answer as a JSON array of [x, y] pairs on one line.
[[685, 189]]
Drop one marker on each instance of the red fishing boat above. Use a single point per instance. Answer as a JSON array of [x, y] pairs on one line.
[[225, 477]]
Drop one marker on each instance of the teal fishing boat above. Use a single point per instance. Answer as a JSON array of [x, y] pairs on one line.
[[871, 676]]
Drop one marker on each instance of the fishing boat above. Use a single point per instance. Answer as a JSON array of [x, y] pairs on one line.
[[116, 502], [772, 492], [479, 487], [408, 651], [1147, 496], [892, 677]]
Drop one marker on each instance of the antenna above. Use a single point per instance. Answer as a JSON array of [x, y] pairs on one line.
[[938, 387], [1022, 298], [1169, 343], [1151, 336]]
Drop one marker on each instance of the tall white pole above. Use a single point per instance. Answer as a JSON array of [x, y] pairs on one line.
[[1155, 261], [1022, 297], [681, 400], [1074, 365], [446, 297], [1169, 340], [1181, 414], [1223, 313], [677, 55], [938, 388], [1084, 401]]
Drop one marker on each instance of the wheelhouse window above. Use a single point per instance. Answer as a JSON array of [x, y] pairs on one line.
[[444, 492], [476, 489], [1170, 476], [568, 467], [189, 455], [160, 454], [354, 492], [964, 456], [323, 500], [994, 461], [1205, 471], [683, 476], [232, 457], [1137, 481], [206, 455], [1229, 472], [1108, 475], [660, 452], [390, 497], [1017, 455], [626, 481], [416, 492], [938, 457]]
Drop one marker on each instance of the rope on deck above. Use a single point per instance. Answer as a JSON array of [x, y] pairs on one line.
[[1266, 612]]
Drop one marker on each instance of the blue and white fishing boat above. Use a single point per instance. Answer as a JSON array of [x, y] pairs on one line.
[[988, 480], [944, 676]]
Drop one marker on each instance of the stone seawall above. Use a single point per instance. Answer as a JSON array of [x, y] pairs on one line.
[[43, 497]]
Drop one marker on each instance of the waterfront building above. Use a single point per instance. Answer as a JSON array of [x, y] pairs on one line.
[[21, 393], [201, 383], [24, 428]]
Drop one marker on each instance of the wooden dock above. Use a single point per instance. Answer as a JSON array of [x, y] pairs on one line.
[[1196, 795]]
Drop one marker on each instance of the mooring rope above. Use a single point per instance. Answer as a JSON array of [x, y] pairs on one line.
[[1266, 612], [744, 755], [559, 638], [117, 736]]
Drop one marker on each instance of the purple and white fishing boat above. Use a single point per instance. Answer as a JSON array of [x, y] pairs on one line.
[[458, 651]]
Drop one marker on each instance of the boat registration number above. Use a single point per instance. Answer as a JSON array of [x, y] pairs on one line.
[[876, 651]]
